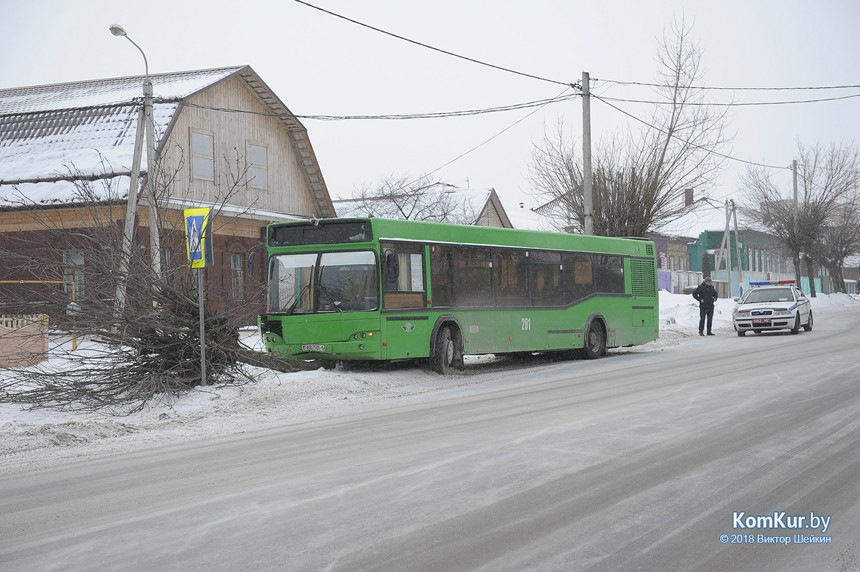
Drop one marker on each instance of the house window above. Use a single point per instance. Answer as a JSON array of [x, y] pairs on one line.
[[237, 277], [258, 167], [73, 273], [202, 156]]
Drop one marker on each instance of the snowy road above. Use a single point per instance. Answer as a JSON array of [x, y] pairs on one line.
[[613, 464]]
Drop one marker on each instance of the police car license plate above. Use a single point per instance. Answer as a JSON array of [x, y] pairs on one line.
[[761, 322], [313, 347]]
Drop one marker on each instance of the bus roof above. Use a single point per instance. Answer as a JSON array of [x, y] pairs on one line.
[[351, 232]]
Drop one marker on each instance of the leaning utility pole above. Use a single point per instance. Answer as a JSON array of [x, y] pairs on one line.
[[587, 197], [144, 125], [154, 239], [130, 211]]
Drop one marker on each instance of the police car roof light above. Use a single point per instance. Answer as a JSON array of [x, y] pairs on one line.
[[771, 282]]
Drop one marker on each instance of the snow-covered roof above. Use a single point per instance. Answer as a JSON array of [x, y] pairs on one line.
[[53, 134], [468, 204]]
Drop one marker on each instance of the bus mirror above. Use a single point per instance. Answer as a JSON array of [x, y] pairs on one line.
[[392, 270]]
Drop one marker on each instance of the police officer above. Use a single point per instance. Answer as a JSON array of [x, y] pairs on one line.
[[706, 294]]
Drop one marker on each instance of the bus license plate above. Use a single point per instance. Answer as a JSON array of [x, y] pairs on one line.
[[313, 347], [761, 322]]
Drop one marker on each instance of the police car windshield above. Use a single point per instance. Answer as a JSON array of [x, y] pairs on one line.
[[759, 296]]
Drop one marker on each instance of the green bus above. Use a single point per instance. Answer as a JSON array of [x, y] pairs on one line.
[[377, 289]]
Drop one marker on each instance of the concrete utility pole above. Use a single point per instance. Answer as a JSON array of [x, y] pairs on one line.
[[794, 184], [130, 211], [154, 238], [144, 126], [726, 246], [738, 246], [587, 196]]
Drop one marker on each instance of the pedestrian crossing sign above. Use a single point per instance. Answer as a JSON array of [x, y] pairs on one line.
[[198, 237]]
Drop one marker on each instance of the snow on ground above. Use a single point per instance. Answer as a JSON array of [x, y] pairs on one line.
[[34, 438]]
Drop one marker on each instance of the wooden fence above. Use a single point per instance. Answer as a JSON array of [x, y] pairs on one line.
[[23, 340]]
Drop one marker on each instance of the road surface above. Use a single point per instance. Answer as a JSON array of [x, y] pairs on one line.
[[685, 458]]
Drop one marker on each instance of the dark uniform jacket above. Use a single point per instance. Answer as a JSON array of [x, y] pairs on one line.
[[706, 294]]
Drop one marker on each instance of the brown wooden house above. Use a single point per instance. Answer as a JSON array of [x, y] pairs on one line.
[[223, 139]]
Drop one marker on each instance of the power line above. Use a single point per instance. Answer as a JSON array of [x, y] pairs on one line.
[[476, 147], [442, 114], [663, 131], [729, 157], [501, 109], [736, 104], [435, 49], [389, 116], [716, 88]]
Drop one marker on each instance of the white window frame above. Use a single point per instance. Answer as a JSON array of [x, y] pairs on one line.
[[255, 169], [198, 154], [237, 276], [73, 271]]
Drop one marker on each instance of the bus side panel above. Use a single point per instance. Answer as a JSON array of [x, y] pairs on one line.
[[406, 336], [517, 330]]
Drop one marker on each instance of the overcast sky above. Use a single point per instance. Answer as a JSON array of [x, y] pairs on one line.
[[319, 64]]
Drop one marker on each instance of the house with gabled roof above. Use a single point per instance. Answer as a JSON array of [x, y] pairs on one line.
[[223, 139], [438, 202]]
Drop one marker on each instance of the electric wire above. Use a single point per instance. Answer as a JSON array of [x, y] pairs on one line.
[[723, 88], [540, 103], [435, 49], [664, 132], [736, 104], [476, 147]]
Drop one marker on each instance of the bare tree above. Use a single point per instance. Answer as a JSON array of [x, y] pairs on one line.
[[821, 225], [143, 352], [639, 181], [422, 199], [840, 239]]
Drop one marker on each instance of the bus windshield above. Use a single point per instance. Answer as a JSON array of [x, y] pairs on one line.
[[325, 282]]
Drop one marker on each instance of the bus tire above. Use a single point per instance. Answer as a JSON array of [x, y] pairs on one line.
[[595, 340], [445, 354]]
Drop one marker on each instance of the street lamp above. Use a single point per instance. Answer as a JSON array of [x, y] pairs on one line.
[[144, 119], [118, 30]]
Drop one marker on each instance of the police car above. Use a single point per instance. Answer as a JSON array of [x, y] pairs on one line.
[[772, 305]]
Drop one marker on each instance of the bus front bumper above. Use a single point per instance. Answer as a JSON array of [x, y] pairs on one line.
[[361, 349]]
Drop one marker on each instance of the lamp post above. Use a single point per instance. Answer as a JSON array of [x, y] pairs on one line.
[[145, 120]]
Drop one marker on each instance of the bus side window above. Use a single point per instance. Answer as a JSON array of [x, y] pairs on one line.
[[545, 279], [578, 277], [441, 274], [609, 272], [473, 276], [511, 280], [403, 276]]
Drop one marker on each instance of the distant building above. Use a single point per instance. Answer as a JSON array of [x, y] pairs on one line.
[[437, 203]]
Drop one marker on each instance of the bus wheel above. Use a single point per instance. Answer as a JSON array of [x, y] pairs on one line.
[[595, 341], [444, 358]]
